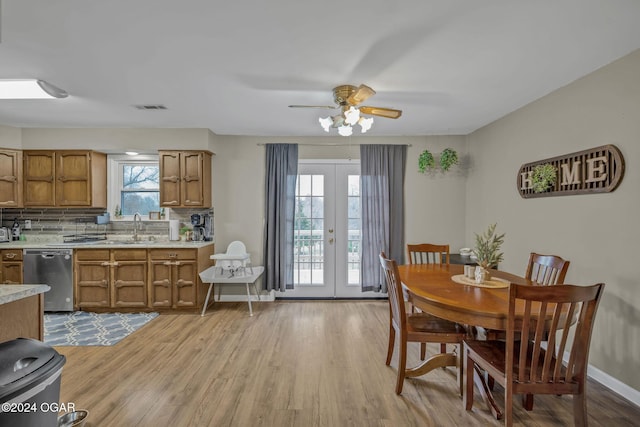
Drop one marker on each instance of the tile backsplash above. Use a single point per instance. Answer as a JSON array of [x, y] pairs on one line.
[[72, 221]]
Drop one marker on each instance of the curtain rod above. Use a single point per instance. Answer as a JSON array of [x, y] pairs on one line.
[[333, 144]]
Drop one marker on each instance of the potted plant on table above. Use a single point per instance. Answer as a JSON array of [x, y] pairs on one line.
[[487, 252]]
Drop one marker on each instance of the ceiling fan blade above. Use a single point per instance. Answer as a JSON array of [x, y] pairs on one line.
[[361, 94], [382, 112], [333, 107]]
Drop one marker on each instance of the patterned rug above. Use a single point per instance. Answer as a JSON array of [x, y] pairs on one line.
[[81, 328]]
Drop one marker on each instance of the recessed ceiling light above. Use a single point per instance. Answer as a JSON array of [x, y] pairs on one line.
[[131, 153], [29, 89]]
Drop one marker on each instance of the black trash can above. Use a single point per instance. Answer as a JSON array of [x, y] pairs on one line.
[[30, 374]]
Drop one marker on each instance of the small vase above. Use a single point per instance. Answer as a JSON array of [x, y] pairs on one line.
[[482, 274]]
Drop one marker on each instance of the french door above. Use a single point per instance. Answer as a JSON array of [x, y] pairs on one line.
[[327, 232]]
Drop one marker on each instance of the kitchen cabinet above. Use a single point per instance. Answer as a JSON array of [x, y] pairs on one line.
[[173, 278], [64, 178], [10, 178], [114, 278], [11, 267], [185, 179]]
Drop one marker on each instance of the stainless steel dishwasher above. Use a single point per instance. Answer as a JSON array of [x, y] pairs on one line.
[[53, 267]]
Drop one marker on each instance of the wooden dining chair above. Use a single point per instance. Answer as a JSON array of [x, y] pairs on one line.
[[415, 327], [427, 253], [529, 366], [546, 269]]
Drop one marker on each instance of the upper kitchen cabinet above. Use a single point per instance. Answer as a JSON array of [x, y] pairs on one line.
[[65, 178], [10, 178], [185, 179]]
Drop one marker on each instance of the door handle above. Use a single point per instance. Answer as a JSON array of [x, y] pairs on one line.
[[331, 241], [331, 230]]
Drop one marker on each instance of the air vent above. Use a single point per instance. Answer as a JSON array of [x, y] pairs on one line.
[[151, 107]]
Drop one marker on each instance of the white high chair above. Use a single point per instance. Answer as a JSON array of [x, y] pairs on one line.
[[238, 263], [236, 259]]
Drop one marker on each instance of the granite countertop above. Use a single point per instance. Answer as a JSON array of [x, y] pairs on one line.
[[10, 293], [105, 244]]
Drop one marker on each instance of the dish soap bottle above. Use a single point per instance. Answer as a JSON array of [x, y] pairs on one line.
[[15, 230]]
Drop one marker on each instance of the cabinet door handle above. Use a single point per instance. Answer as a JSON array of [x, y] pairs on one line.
[[105, 264], [10, 256]]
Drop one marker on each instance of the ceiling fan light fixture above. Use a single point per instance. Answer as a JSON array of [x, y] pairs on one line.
[[29, 89], [326, 123], [345, 130], [351, 116], [365, 124]]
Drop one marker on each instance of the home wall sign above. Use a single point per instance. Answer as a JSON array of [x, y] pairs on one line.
[[597, 170]]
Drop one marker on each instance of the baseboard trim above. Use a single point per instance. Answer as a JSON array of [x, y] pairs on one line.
[[614, 385], [269, 297]]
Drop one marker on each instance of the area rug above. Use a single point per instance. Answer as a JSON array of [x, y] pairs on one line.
[[81, 328]]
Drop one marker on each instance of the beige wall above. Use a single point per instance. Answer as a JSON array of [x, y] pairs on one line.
[[599, 234], [116, 140], [10, 137]]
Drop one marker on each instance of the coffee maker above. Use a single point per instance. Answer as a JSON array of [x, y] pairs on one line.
[[198, 227]]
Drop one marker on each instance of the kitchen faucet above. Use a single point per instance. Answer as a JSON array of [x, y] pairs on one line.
[[137, 223]]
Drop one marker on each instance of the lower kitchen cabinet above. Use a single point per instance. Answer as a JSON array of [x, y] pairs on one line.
[[11, 267], [144, 279], [173, 281], [91, 273], [129, 278], [111, 278]]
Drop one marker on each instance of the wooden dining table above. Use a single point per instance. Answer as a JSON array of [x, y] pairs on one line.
[[430, 288]]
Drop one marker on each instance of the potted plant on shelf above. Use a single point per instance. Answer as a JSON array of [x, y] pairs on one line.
[[487, 252], [426, 161], [448, 158], [543, 177]]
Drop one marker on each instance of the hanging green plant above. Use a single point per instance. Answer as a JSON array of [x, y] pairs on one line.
[[543, 177], [448, 158], [426, 161]]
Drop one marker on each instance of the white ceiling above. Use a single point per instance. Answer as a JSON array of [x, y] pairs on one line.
[[234, 66]]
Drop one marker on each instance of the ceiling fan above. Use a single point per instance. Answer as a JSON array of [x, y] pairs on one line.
[[348, 98]]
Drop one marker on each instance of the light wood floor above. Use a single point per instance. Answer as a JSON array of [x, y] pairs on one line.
[[294, 363]]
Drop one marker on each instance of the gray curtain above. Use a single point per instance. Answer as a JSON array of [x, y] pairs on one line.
[[382, 196], [279, 211]]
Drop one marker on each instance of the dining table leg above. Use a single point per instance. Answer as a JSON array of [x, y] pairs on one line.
[[440, 360]]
